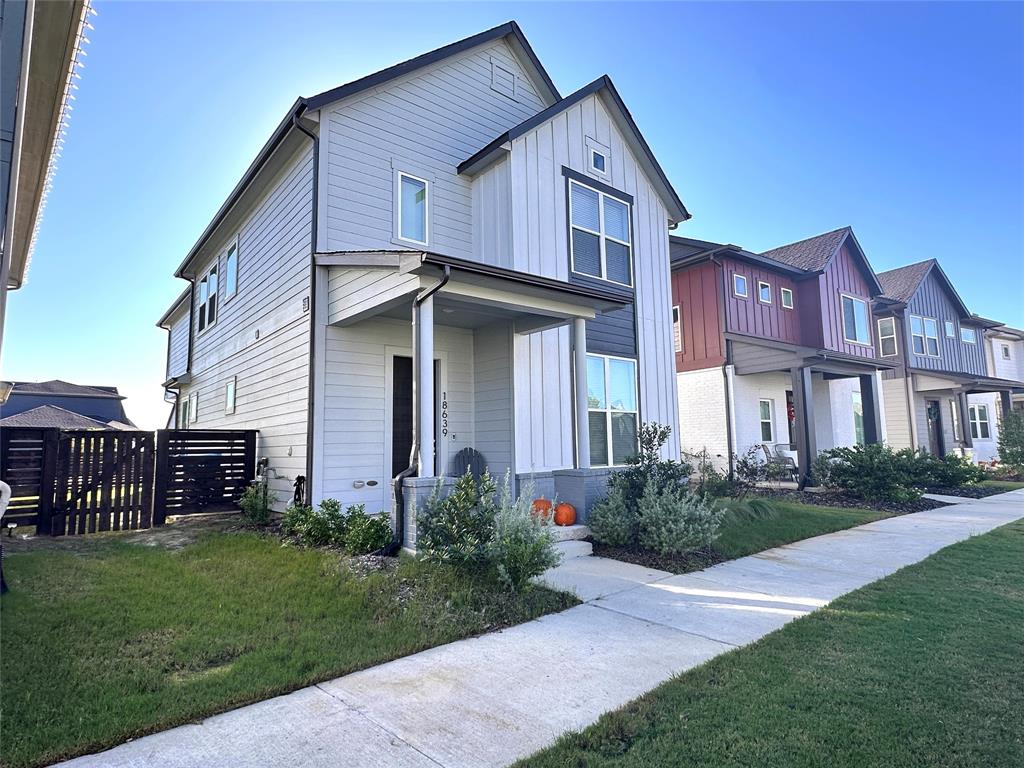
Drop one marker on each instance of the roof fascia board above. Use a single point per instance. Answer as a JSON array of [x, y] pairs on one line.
[[178, 302], [951, 289]]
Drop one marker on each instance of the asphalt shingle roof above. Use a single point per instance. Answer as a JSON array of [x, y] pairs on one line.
[[811, 254], [52, 416], [900, 284], [58, 387]]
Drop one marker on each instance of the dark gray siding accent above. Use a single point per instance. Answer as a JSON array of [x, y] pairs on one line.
[[932, 300], [613, 333]]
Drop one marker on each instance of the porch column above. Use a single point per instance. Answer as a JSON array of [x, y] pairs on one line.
[[965, 424], [579, 351], [1005, 402], [803, 404], [425, 386], [871, 402]]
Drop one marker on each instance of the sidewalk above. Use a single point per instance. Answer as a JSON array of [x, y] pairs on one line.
[[491, 700]]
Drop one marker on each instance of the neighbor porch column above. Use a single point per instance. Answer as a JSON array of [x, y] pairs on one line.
[[871, 402], [425, 386], [803, 404], [1005, 402], [579, 351], [965, 425]]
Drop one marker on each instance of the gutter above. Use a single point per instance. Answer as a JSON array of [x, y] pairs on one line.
[[729, 446], [311, 379], [399, 536]]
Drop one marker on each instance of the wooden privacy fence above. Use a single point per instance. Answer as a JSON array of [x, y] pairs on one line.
[[84, 481]]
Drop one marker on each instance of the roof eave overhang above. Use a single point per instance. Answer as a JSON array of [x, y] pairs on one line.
[[178, 302]]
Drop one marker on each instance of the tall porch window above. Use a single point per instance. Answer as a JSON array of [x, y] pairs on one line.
[[858, 419], [978, 415], [764, 411], [611, 409]]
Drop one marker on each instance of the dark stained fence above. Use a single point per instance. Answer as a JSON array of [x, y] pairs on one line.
[[104, 481], [27, 463], [83, 481], [202, 470]]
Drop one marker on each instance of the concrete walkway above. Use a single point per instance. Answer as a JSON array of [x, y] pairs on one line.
[[490, 700]]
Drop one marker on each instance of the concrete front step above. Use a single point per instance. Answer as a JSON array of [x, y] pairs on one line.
[[570, 532], [571, 549]]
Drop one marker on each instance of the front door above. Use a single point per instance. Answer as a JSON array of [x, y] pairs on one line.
[[934, 413], [401, 410]]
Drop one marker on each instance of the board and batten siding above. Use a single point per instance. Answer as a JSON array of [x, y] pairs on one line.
[[261, 335], [177, 342], [697, 291], [844, 275], [425, 123], [932, 300], [752, 317], [544, 435], [357, 424]]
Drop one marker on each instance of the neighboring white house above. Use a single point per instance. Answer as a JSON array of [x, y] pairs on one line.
[[1004, 350], [445, 260]]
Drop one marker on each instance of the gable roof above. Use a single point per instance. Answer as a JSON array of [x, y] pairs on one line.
[[814, 254], [509, 29], [303, 104], [52, 416], [64, 388], [903, 283], [632, 133]]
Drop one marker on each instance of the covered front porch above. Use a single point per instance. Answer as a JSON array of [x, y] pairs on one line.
[[789, 403], [959, 413], [433, 364]]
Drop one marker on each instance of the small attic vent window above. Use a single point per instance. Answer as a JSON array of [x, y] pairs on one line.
[[597, 161], [503, 80]]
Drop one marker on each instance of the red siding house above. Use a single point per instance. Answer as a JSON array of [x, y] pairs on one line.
[[775, 351]]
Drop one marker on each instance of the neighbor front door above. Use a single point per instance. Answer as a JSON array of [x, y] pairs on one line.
[[934, 412]]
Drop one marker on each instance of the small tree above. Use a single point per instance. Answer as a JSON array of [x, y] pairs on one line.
[[457, 528], [1011, 440]]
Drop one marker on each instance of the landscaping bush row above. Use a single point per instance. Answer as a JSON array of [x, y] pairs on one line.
[[327, 525], [878, 473]]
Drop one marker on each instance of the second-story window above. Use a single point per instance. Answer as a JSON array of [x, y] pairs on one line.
[[413, 208], [887, 337], [1006, 351], [764, 292], [231, 271], [207, 307], [739, 286], [968, 335], [924, 335], [855, 320], [601, 242], [950, 329], [786, 297]]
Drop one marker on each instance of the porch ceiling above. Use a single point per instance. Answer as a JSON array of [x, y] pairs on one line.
[[926, 380], [751, 356]]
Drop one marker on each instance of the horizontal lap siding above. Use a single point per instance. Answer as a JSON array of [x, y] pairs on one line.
[[351, 291], [271, 371], [426, 123], [177, 343], [356, 404], [544, 418], [613, 333], [752, 317], [897, 418]]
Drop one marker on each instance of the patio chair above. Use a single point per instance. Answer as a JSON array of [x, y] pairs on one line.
[[786, 463]]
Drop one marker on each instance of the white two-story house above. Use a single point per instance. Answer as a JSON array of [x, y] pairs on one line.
[[446, 263]]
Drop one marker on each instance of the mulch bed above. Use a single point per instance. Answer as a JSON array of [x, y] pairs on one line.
[[829, 499], [695, 560], [967, 491]]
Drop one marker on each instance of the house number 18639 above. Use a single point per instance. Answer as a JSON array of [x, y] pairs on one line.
[[444, 414]]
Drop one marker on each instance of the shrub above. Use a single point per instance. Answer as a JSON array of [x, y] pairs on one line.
[[316, 527], [365, 533], [647, 466], [674, 521], [255, 504], [457, 528], [872, 472], [613, 520], [708, 480], [522, 546], [1011, 440], [950, 471]]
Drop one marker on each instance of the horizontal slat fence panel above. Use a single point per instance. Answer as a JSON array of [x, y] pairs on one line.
[[73, 482], [202, 470]]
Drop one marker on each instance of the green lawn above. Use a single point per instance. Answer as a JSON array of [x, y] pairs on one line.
[[1002, 485], [116, 640], [920, 669], [794, 521]]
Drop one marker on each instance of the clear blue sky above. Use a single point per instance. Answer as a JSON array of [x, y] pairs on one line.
[[774, 122]]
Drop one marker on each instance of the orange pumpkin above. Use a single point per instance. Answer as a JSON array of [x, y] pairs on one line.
[[541, 508], [565, 514]]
